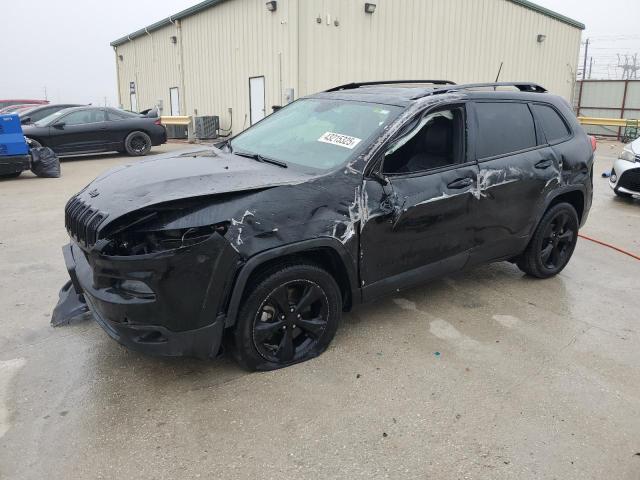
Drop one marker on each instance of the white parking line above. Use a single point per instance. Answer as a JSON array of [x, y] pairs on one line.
[[8, 369]]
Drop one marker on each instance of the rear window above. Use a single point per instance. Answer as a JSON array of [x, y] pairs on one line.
[[121, 114], [553, 125], [504, 128], [39, 115]]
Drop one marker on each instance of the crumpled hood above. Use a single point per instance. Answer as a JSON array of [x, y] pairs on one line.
[[180, 176]]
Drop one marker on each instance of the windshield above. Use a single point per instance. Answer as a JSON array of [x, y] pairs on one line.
[[49, 119], [316, 133]]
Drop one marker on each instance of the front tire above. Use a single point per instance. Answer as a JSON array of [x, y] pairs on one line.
[[623, 194], [137, 144], [552, 244], [290, 315]]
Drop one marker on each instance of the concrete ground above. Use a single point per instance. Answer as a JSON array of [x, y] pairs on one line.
[[486, 375]]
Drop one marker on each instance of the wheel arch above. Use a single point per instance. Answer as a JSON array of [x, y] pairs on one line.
[[327, 253], [37, 139], [134, 130], [574, 197]]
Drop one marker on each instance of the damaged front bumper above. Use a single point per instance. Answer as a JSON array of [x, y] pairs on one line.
[[167, 304]]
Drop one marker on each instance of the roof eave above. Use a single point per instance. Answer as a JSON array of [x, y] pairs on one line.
[[549, 13], [167, 21], [210, 3]]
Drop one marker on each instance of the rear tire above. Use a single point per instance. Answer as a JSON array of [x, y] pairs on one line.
[[552, 244], [137, 144], [289, 315]]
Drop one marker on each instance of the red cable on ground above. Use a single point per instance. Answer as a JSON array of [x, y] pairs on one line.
[[609, 246]]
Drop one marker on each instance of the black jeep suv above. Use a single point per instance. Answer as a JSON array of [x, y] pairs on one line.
[[333, 200]]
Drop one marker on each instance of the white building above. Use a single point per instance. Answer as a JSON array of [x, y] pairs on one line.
[[238, 58]]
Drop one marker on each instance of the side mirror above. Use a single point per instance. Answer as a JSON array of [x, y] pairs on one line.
[[59, 125], [25, 120], [379, 177]]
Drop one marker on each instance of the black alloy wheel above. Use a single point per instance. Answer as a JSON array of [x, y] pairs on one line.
[[552, 244], [290, 314], [290, 321], [557, 241], [137, 143]]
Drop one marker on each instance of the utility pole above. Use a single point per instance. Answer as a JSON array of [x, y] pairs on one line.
[[45, 93], [586, 53], [584, 74], [590, 66]]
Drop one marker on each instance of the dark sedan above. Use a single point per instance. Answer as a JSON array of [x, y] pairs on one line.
[[35, 113], [89, 129]]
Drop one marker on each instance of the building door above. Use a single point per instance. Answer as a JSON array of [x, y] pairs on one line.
[[174, 101], [256, 99], [134, 102]]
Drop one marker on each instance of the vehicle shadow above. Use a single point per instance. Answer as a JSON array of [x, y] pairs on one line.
[[134, 385], [469, 292]]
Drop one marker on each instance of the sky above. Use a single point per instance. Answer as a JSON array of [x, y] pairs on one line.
[[63, 45]]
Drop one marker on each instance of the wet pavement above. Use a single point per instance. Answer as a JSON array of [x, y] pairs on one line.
[[484, 374]]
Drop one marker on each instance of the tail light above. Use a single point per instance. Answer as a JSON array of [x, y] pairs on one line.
[[159, 122], [594, 142]]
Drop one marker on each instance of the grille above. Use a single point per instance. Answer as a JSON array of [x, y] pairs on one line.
[[82, 221], [630, 180]]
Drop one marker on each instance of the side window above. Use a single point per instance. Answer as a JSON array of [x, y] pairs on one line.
[[553, 125], [84, 116], [434, 140], [504, 128]]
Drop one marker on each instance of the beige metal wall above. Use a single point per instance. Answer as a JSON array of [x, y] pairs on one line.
[[223, 46], [226, 45], [458, 40], [152, 61]]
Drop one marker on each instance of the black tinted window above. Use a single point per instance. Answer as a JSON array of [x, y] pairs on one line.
[[552, 124], [504, 128], [121, 115], [84, 116]]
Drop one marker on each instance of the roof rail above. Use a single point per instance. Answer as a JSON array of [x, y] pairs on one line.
[[351, 86], [522, 86]]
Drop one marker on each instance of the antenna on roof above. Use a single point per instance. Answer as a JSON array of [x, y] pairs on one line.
[[499, 71]]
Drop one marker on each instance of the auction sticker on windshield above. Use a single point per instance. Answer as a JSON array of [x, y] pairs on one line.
[[341, 140]]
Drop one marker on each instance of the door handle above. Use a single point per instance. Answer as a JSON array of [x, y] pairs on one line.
[[461, 183], [542, 164]]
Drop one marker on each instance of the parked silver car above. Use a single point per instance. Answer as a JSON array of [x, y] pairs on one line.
[[625, 175]]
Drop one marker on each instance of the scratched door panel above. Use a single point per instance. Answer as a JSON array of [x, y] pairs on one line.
[[416, 221]]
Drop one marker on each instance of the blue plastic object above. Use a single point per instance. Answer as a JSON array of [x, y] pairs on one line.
[[12, 140]]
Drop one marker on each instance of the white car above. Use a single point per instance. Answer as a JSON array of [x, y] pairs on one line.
[[625, 175]]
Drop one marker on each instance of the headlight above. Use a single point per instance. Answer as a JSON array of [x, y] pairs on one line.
[[146, 242], [628, 155]]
